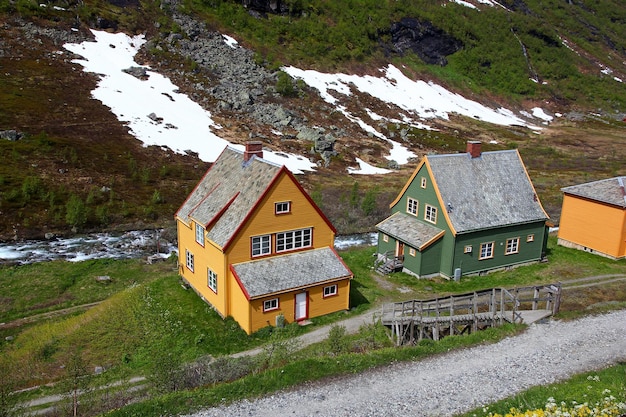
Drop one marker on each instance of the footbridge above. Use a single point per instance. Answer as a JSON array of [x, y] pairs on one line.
[[414, 320]]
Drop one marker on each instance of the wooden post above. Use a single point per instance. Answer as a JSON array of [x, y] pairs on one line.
[[535, 298]]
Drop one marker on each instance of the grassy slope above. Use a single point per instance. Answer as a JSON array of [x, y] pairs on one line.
[[76, 147], [145, 317]]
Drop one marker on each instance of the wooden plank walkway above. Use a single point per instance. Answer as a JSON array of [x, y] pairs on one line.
[[411, 321]]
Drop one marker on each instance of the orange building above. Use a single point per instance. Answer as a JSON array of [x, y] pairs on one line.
[[255, 246], [593, 217]]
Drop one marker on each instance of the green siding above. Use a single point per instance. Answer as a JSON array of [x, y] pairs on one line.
[[431, 258], [386, 246], [528, 251], [447, 254]]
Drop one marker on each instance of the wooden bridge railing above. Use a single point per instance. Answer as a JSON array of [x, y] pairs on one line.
[[488, 307]]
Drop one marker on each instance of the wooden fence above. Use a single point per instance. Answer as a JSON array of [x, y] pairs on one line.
[[414, 320]]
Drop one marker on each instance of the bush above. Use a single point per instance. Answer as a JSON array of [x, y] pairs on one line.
[[337, 340], [75, 212]]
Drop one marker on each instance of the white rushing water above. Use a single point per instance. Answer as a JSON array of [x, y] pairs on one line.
[[134, 244]]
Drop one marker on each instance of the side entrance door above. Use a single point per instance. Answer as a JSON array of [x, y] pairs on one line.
[[302, 306]]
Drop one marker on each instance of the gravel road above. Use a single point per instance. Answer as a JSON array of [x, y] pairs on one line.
[[455, 382]]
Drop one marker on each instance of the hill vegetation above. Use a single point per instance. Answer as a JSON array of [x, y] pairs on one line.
[[76, 168]]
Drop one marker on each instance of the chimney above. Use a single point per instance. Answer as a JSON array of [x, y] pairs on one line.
[[473, 148], [253, 148]]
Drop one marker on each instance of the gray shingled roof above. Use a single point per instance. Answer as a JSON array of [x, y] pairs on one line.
[[296, 270], [492, 190], [228, 178], [610, 191], [408, 229]]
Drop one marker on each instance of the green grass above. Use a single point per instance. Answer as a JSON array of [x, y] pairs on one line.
[[318, 367], [589, 387], [146, 318]]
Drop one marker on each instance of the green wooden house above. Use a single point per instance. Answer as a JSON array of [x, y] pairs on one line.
[[464, 213]]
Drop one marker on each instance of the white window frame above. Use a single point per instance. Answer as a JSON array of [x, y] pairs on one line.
[[212, 280], [412, 206], [412, 251], [467, 249], [423, 184], [530, 238], [430, 213], [331, 291], [264, 245], [294, 239], [189, 259], [282, 207], [385, 238], [512, 246], [270, 305], [199, 234], [486, 250]]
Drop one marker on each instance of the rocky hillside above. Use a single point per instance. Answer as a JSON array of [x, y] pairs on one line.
[[69, 165]]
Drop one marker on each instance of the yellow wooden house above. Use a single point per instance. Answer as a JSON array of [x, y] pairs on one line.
[[593, 217], [253, 244]]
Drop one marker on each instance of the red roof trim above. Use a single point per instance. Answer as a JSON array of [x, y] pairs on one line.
[[243, 289], [223, 210], [310, 200], [252, 209], [341, 260], [200, 182], [202, 200]]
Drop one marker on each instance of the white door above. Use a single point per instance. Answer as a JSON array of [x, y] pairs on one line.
[[302, 308]]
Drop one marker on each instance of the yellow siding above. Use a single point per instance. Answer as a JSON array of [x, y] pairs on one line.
[[594, 225], [317, 305], [239, 306], [230, 299], [204, 258], [265, 221]]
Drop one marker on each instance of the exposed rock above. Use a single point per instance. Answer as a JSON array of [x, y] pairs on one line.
[[137, 72], [11, 135], [430, 43]]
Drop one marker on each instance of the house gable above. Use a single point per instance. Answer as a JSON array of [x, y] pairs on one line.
[[491, 190], [249, 225], [593, 217], [474, 198]]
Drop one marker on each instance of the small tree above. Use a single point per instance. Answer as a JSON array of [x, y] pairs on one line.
[[337, 341], [75, 212], [284, 85]]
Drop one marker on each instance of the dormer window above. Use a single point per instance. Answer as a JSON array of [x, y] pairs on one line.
[[200, 234], [283, 207]]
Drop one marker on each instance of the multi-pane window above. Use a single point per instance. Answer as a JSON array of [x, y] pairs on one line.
[[189, 260], [411, 206], [467, 249], [330, 290], [212, 280], [283, 207], [512, 246], [423, 182], [269, 305], [293, 239], [486, 250], [200, 234], [385, 238], [261, 245], [530, 238], [412, 251], [430, 214]]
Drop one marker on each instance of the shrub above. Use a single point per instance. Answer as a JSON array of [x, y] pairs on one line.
[[75, 212], [284, 85], [337, 341]]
